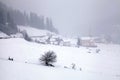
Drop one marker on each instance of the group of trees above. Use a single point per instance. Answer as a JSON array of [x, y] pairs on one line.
[[9, 18], [33, 20], [25, 36], [7, 24]]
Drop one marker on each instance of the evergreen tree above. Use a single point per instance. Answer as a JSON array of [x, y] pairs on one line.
[[78, 42], [9, 18]]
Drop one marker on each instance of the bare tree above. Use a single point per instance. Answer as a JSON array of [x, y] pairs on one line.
[[48, 58]]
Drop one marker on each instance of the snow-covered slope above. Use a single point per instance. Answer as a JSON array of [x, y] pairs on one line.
[[90, 65], [33, 31], [3, 34], [21, 71]]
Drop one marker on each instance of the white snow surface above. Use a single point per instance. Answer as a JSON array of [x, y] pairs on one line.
[[33, 31], [104, 65], [3, 34]]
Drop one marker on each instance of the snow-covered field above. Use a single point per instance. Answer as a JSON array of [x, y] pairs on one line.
[[104, 65]]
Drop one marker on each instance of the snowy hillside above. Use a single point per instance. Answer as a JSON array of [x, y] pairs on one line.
[[3, 34], [89, 65], [33, 31]]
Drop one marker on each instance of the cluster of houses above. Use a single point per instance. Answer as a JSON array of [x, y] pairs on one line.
[[59, 40]]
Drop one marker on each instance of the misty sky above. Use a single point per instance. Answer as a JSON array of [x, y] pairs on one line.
[[74, 17]]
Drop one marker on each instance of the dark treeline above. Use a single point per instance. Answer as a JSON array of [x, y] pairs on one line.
[[7, 24], [9, 19]]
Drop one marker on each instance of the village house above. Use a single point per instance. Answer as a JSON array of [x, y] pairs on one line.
[[88, 42]]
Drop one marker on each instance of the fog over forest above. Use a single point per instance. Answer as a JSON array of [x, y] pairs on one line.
[[76, 17]]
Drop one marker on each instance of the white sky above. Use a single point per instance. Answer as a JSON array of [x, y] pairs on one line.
[[73, 17]]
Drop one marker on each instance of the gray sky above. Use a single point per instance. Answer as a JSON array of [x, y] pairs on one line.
[[74, 17]]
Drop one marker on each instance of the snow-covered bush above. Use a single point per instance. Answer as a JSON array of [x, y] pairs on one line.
[[48, 58], [73, 66], [97, 50], [11, 59]]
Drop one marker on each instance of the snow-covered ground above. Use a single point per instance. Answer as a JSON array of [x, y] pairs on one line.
[[21, 71], [90, 65], [33, 31]]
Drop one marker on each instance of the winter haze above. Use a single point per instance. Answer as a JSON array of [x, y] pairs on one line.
[[75, 17], [59, 39]]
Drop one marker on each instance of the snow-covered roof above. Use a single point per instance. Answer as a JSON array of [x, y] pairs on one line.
[[88, 38]]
